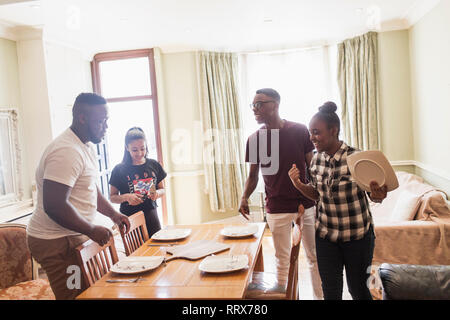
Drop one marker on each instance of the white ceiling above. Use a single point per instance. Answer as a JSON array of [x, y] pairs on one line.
[[224, 25]]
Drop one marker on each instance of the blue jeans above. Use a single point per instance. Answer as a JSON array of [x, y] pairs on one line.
[[355, 256]]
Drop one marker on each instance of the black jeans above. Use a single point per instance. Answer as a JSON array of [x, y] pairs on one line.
[[355, 256], [152, 221]]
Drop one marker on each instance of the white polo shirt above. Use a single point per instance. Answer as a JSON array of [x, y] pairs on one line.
[[70, 162]]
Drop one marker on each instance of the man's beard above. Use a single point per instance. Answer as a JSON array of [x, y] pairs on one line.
[[94, 139]]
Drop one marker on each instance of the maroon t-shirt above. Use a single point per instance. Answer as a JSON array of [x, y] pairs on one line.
[[276, 151]]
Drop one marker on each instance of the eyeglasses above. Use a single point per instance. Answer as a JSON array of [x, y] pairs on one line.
[[258, 105]]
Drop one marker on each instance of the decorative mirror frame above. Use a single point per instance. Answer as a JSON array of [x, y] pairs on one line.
[[11, 116]]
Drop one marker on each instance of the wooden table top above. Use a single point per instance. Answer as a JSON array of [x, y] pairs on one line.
[[181, 278]]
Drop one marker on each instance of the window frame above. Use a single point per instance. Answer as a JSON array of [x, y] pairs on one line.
[[96, 84]]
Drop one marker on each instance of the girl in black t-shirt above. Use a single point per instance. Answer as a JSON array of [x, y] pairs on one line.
[[137, 182]]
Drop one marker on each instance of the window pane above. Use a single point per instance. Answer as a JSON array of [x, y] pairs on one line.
[[123, 116], [304, 79], [125, 78]]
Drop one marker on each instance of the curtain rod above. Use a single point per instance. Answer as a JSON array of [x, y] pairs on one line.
[[290, 50], [328, 44]]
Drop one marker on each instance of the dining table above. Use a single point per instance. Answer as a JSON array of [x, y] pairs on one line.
[[181, 278]]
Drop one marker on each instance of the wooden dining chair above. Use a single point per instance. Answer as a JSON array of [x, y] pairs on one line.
[[95, 260], [265, 286], [137, 235]]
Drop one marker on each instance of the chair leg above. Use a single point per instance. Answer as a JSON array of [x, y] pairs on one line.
[[259, 266]]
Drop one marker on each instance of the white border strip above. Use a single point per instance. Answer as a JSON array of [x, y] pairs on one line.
[[194, 173], [438, 172], [403, 163]]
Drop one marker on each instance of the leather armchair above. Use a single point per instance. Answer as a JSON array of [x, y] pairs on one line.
[[415, 282], [18, 274]]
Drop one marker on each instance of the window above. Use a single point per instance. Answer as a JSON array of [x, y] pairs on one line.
[[304, 78], [10, 188], [127, 81]]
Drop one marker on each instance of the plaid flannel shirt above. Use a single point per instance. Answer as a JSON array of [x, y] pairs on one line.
[[343, 208]]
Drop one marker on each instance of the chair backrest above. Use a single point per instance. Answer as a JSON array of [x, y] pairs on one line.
[[95, 260], [292, 284], [137, 235], [16, 264]]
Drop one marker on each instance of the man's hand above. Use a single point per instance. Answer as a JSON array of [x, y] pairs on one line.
[[134, 199], [100, 234], [122, 222], [243, 208], [377, 193]]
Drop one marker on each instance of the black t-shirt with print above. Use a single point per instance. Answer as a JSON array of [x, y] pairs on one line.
[[137, 179]]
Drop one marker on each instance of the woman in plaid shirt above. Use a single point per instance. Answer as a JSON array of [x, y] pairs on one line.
[[344, 226]]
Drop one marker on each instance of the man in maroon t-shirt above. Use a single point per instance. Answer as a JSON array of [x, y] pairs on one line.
[[274, 148]]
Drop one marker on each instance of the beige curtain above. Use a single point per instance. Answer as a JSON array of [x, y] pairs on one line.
[[358, 85], [223, 148]]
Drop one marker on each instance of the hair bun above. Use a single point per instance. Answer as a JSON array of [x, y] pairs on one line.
[[328, 107]]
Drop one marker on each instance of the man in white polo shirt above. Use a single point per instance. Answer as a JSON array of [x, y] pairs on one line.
[[68, 196]]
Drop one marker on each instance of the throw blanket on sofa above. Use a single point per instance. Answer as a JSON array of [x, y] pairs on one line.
[[435, 209], [421, 239]]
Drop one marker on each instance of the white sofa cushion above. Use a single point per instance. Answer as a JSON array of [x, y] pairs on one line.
[[382, 212], [406, 207]]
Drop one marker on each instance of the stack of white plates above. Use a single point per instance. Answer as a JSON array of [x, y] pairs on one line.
[[171, 234], [222, 264], [239, 231]]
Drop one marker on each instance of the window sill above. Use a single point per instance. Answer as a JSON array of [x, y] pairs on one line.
[[16, 211]]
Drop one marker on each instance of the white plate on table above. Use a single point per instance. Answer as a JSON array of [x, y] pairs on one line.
[[367, 166], [132, 265], [223, 263], [239, 231], [171, 234]]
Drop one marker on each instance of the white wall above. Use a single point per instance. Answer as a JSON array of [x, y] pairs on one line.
[[41, 79], [10, 98], [9, 75], [68, 74], [35, 102], [51, 76], [430, 83], [180, 104], [395, 96]]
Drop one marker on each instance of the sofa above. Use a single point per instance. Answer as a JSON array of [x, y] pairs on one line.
[[412, 225], [413, 282]]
